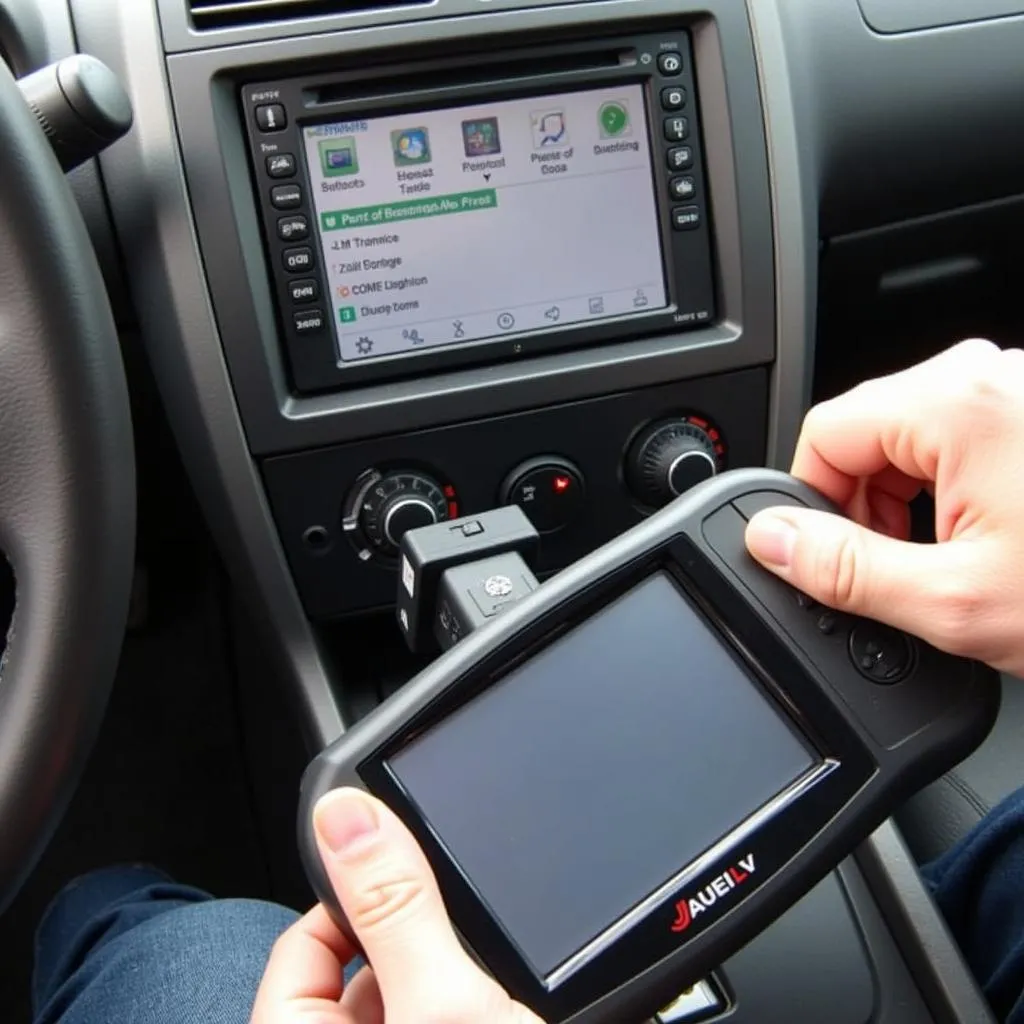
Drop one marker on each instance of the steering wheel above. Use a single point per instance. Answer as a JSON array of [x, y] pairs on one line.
[[67, 490]]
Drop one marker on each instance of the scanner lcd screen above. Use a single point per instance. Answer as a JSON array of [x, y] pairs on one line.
[[593, 772]]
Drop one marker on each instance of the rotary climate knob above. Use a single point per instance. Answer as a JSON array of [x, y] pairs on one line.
[[670, 457], [387, 506]]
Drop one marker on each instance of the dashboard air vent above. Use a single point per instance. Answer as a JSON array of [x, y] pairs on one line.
[[211, 14]]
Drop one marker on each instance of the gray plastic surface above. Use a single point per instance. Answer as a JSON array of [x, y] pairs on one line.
[[150, 207], [913, 15], [900, 126], [794, 198], [917, 926], [80, 105], [33, 33]]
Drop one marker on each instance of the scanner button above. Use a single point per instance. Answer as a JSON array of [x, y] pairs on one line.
[[827, 623], [881, 654], [750, 504]]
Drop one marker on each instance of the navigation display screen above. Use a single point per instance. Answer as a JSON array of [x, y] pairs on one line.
[[591, 774], [450, 226]]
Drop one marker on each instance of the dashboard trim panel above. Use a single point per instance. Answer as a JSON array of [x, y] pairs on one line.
[[151, 214], [794, 203]]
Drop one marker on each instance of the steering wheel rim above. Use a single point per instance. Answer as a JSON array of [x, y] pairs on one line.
[[67, 490]]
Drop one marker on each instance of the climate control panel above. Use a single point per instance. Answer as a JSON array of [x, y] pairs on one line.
[[670, 456], [583, 472], [383, 507]]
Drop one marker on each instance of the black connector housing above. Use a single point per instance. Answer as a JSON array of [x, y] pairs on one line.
[[471, 594], [427, 553]]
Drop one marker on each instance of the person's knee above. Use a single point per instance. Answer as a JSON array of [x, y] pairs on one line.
[[195, 962]]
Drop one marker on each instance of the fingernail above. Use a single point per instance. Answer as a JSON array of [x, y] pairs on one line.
[[771, 539], [343, 817]]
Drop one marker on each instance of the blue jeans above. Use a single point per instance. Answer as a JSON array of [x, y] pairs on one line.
[[127, 944], [979, 887]]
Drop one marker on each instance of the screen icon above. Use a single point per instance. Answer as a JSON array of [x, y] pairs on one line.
[[410, 146], [347, 314], [549, 129], [338, 156], [596, 304], [480, 136], [364, 346], [506, 321], [613, 119]]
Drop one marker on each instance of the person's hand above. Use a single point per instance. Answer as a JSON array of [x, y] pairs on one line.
[[418, 971], [953, 424]]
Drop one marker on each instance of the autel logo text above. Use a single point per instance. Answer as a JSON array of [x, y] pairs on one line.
[[692, 906]]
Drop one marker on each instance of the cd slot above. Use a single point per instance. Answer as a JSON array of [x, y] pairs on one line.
[[471, 73]]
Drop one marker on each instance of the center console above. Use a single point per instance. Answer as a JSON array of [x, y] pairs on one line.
[[396, 264], [520, 267]]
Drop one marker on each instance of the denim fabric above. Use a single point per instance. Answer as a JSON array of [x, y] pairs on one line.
[[979, 886], [128, 946]]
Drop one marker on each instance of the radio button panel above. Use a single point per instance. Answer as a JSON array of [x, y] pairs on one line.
[[677, 128], [297, 260], [686, 218], [286, 197], [673, 98], [670, 63], [271, 117], [280, 165], [680, 158]]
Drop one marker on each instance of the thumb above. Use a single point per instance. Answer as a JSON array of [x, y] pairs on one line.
[[850, 568], [392, 902]]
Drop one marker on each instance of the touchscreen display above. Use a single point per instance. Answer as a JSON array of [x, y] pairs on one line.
[[591, 774], [449, 226]]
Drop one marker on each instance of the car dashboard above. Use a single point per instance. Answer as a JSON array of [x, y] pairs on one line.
[[396, 263]]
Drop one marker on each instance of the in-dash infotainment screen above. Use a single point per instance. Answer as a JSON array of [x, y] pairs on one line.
[[455, 225]]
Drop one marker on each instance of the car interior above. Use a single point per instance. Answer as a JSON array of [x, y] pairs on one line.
[[248, 342]]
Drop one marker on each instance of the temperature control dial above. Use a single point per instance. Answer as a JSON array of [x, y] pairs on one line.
[[670, 456], [384, 507]]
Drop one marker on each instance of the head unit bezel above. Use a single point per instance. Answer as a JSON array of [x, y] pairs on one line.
[[307, 329]]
